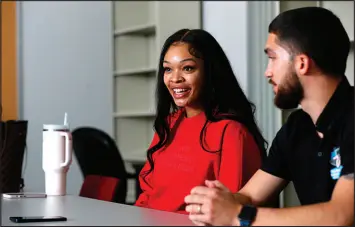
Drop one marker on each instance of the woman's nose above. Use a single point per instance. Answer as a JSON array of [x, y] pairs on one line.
[[176, 77]]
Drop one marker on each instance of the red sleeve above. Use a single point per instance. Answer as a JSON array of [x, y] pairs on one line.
[[145, 184], [240, 157]]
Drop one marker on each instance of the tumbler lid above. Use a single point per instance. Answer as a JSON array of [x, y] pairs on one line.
[[51, 127]]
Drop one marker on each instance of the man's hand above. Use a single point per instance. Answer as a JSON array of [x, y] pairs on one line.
[[220, 207], [213, 205]]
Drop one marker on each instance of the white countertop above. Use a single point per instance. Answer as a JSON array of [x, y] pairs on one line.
[[84, 211]]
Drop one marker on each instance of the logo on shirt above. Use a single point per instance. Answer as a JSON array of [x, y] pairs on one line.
[[335, 160]]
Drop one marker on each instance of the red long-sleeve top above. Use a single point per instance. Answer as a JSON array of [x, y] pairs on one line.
[[184, 164]]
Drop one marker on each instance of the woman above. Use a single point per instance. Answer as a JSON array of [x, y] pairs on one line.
[[205, 127]]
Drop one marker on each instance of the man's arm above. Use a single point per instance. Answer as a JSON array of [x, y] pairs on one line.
[[251, 193], [220, 207], [216, 199], [338, 211]]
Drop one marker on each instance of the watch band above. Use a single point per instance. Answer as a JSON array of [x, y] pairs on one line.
[[244, 222], [247, 215]]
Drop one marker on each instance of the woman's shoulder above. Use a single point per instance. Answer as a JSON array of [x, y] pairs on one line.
[[228, 122], [218, 131]]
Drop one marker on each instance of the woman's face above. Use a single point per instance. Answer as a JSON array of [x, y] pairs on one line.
[[183, 76]]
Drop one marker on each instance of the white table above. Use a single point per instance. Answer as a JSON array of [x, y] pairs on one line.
[[84, 211]]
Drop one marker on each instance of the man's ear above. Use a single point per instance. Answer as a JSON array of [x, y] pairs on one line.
[[302, 64]]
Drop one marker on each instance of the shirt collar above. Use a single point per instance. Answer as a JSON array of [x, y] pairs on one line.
[[334, 105]]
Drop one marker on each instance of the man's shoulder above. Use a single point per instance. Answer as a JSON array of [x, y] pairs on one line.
[[344, 120]]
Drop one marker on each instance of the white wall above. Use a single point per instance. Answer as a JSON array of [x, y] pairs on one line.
[[65, 66], [227, 22]]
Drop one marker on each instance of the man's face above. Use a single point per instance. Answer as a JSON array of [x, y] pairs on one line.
[[282, 75]]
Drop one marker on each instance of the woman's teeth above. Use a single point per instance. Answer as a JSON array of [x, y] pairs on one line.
[[179, 90]]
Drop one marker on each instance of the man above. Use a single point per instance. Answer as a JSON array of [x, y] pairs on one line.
[[307, 50]]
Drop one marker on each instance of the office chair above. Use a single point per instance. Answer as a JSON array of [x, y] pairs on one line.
[[100, 187], [101, 165]]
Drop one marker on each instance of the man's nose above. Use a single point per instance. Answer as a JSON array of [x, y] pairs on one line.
[[268, 73]]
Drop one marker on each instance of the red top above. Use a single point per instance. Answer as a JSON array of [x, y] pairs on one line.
[[184, 164]]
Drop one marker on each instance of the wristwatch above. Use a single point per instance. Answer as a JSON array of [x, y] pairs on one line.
[[247, 215]]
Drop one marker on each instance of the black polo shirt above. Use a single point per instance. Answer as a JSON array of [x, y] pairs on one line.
[[297, 153]]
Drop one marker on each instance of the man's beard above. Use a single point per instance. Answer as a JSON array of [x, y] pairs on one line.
[[290, 92]]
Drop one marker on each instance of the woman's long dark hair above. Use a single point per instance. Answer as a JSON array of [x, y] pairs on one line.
[[221, 96]]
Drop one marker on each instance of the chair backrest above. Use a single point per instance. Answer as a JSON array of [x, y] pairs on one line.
[[99, 187], [97, 154]]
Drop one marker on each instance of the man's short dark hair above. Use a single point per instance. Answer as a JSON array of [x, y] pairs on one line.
[[316, 32]]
